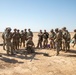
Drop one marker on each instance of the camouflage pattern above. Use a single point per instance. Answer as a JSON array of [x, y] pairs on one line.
[[22, 39], [8, 38], [18, 38], [3, 37], [40, 39], [25, 33], [68, 40], [14, 39], [74, 37], [29, 33], [30, 45], [45, 39], [57, 41], [51, 38], [60, 31], [65, 35]]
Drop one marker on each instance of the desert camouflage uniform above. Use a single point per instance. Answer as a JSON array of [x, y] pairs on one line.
[[57, 41], [29, 33], [40, 39], [25, 35], [14, 39], [3, 37], [65, 35], [30, 45], [51, 38], [8, 38], [60, 31], [45, 39], [74, 37], [22, 40], [18, 38], [68, 41]]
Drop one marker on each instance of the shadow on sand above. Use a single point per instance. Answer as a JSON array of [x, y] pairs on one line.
[[21, 54], [8, 60]]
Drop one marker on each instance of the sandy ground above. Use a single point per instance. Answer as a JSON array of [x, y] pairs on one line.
[[38, 64]]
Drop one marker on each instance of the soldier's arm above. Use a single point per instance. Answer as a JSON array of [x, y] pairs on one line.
[[3, 36], [32, 34]]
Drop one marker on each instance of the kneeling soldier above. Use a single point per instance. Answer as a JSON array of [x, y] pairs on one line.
[[30, 45]]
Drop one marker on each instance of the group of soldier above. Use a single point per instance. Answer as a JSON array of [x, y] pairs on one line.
[[59, 40]]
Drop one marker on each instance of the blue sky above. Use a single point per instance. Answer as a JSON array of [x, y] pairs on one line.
[[38, 14]]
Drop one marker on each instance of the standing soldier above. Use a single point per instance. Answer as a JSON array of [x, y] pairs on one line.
[[57, 40], [60, 31], [3, 37], [68, 40], [8, 38], [45, 39], [64, 40], [74, 37], [22, 40], [29, 33], [51, 38], [40, 39], [18, 38], [25, 34], [14, 37]]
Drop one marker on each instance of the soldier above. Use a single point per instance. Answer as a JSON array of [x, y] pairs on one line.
[[3, 37], [74, 37], [8, 38], [51, 38], [64, 40], [25, 34], [60, 31], [30, 45], [18, 38], [45, 39], [29, 33], [57, 40], [40, 39], [68, 40], [22, 39], [14, 37]]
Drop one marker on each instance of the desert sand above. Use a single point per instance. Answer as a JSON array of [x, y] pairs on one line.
[[38, 64]]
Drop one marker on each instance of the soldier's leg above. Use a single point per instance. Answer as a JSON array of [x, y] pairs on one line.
[[4, 44], [11, 47], [58, 48], [7, 48], [63, 45], [18, 45], [60, 44], [38, 44], [44, 43], [32, 50], [51, 46], [66, 45]]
